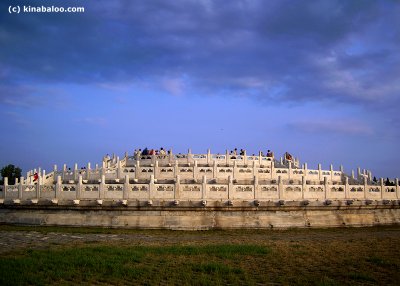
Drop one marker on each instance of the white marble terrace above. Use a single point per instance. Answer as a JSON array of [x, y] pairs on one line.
[[201, 178]]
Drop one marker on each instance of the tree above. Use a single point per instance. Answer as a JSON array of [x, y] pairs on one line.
[[12, 172]]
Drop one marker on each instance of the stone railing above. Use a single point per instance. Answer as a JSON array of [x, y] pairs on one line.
[[185, 190], [190, 158], [198, 170]]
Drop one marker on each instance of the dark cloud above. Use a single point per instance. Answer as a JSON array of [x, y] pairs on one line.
[[293, 51]]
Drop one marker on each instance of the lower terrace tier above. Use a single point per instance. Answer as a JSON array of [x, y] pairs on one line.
[[178, 189], [198, 177]]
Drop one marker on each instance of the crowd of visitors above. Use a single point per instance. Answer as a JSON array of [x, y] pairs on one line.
[[138, 152], [242, 152]]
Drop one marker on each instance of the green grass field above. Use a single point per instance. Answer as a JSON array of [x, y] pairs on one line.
[[365, 256]]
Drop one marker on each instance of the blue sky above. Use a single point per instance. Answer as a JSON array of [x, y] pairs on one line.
[[319, 79]]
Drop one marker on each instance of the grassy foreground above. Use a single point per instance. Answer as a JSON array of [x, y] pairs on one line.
[[288, 258]]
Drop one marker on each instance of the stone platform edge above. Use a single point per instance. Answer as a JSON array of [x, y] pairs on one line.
[[200, 215]]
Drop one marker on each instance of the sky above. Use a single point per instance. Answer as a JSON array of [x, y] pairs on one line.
[[317, 79]]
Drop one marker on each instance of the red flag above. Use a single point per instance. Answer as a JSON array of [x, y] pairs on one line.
[[288, 156], [35, 177]]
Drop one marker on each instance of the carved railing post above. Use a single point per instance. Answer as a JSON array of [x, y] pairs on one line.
[[280, 188], [235, 169], [22, 182], [103, 172], [19, 187], [397, 188], [204, 188], [230, 188], [346, 188], [102, 187], [156, 170], [119, 169], [326, 188], [256, 194], [215, 169], [195, 170], [272, 169], [303, 186], [54, 174], [177, 189], [43, 176], [365, 187], [78, 188], [189, 157], [127, 187], [152, 188], [64, 170], [176, 168], [137, 169], [58, 187], [382, 188], [88, 171], [38, 186], [319, 172]]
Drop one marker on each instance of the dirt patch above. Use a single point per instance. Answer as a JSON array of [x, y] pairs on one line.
[[14, 238]]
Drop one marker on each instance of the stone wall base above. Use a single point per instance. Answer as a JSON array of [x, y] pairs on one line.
[[200, 219]]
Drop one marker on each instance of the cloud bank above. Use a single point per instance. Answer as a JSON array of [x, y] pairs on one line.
[[344, 51]]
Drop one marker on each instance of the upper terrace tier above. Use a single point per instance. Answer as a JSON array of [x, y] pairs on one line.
[[201, 159]]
